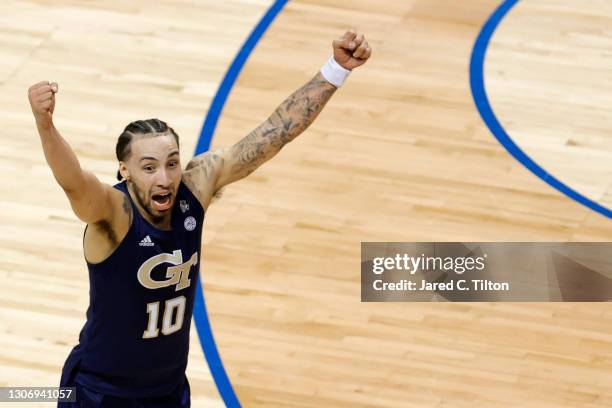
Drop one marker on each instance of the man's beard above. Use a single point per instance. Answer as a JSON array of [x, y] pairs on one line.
[[140, 198]]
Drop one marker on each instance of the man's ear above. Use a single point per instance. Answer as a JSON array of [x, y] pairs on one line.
[[125, 173]]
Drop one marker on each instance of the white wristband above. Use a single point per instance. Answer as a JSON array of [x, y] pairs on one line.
[[334, 73]]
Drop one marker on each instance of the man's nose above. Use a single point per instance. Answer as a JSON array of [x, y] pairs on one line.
[[163, 178]]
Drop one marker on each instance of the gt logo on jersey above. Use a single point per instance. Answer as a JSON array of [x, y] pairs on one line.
[[177, 275]]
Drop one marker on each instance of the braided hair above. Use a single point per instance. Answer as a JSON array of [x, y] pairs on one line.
[[139, 127]]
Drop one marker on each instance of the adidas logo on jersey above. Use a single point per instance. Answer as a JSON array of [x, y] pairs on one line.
[[146, 241]]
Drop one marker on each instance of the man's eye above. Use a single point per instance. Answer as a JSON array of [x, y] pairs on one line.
[[173, 163], [148, 168]]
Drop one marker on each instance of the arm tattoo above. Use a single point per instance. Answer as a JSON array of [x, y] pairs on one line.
[[290, 119], [127, 208], [105, 227], [202, 167]]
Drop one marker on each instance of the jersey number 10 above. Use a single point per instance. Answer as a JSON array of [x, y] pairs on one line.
[[168, 325]]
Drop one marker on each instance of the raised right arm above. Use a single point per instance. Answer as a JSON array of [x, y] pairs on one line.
[[91, 200]]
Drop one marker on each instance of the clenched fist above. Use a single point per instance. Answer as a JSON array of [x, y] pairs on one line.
[[42, 101], [351, 50]]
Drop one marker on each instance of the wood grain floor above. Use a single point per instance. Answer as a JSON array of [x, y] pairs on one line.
[[548, 80], [399, 154]]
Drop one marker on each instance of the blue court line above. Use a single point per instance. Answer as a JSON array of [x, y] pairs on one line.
[[200, 314], [486, 112]]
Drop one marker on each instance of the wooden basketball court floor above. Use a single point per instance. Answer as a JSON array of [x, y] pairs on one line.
[[399, 154]]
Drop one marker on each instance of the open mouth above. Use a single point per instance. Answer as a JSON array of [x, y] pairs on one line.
[[162, 201]]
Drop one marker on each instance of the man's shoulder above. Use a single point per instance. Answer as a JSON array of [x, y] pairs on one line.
[[199, 184], [190, 191]]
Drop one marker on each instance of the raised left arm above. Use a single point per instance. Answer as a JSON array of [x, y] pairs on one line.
[[291, 118]]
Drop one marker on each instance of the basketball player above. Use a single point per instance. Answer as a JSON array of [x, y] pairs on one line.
[[143, 235]]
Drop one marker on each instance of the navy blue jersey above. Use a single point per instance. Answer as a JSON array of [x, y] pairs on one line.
[[136, 339]]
